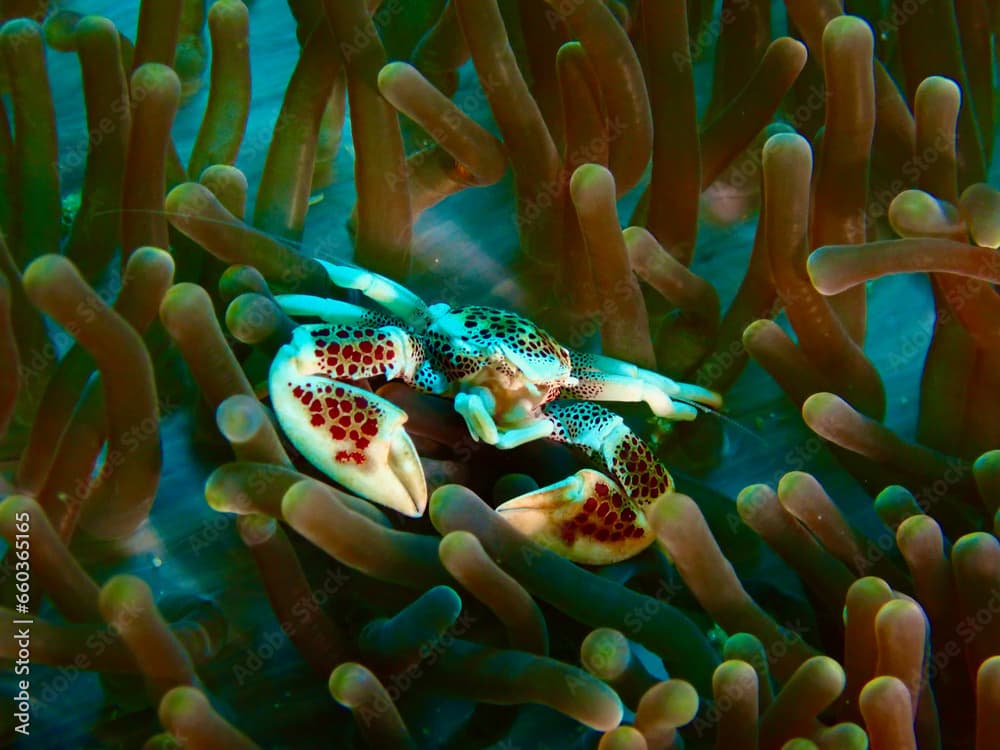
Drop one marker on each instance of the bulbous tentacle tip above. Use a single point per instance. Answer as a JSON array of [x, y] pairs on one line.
[[979, 205], [585, 518]]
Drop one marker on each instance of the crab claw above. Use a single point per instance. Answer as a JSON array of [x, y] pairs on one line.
[[350, 434], [586, 518]]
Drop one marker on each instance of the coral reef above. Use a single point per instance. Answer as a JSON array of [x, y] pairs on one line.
[[175, 575]]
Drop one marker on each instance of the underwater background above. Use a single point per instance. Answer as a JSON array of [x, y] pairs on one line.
[[835, 582]]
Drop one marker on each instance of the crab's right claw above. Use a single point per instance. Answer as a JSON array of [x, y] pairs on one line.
[[586, 518], [674, 400], [350, 434]]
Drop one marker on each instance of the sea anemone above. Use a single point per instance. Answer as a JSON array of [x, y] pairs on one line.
[[809, 229]]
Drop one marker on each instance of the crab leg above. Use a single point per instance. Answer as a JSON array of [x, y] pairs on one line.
[[352, 435], [478, 408], [589, 517], [332, 310], [603, 378], [396, 298]]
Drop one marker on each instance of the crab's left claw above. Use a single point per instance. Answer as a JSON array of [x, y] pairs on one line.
[[352, 435], [586, 518]]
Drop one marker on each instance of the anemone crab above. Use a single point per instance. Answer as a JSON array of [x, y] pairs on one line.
[[510, 381]]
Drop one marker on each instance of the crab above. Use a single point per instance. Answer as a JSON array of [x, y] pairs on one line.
[[510, 381]]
